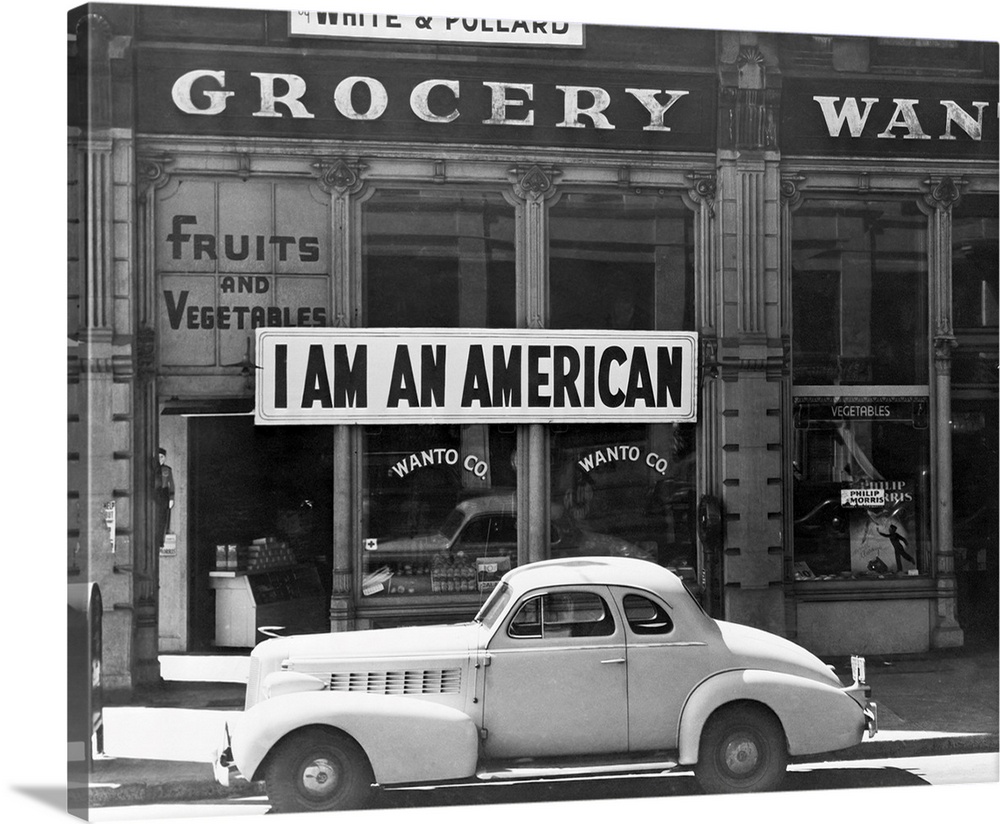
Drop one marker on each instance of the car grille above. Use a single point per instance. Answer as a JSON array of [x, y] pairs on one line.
[[400, 682]]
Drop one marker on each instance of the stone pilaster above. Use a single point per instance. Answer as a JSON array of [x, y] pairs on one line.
[[532, 187], [751, 354], [941, 196]]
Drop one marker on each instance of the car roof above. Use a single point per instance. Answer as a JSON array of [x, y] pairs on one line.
[[606, 570]]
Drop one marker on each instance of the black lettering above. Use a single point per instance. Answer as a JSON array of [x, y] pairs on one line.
[[282, 242], [222, 317], [477, 383], [204, 246], [308, 249], [350, 386], [319, 316], [507, 377], [274, 316], [536, 379], [245, 284], [227, 284], [588, 376], [610, 399], [244, 251], [669, 363], [432, 363], [257, 317], [175, 310], [640, 384], [176, 237], [565, 371], [281, 376], [402, 384]]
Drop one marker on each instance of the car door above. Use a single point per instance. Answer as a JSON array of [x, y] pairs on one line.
[[669, 653], [556, 677]]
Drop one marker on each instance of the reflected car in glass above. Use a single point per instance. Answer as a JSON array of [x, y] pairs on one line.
[[584, 665]]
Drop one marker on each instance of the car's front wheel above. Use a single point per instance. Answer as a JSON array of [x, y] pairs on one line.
[[742, 750], [318, 769]]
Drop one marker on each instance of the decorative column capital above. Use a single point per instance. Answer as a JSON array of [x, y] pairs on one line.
[[791, 189], [534, 184], [340, 176], [152, 172], [702, 190], [943, 193]]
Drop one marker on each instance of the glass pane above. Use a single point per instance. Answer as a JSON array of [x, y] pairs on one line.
[[627, 491], [575, 615], [859, 293], [862, 498], [433, 258], [439, 512], [974, 263], [621, 261]]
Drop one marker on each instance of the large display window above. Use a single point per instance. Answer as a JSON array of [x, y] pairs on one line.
[[860, 354], [438, 502], [625, 490], [623, 261]]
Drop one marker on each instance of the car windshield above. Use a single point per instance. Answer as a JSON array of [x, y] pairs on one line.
[[494, 606], [452, 524]]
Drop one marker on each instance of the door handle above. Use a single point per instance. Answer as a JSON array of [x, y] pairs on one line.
[[613, 661]]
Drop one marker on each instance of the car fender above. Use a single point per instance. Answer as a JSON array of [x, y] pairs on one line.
[[816, 717], [406, 739]]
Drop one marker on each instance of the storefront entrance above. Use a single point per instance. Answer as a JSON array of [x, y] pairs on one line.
[[249, 485]]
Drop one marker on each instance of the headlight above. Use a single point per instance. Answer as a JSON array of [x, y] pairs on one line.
[[282, 683]]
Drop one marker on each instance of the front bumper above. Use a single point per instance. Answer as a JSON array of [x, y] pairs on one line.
[[223, 766]]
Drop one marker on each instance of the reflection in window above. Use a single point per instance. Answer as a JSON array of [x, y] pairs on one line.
[[439, 511], [646, 617], [626, 490], [621, 261], [563, 615], [859, 293], [974, 261], [434, 258]]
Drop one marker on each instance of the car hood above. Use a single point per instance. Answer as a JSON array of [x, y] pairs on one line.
[[756, 649], [373, 645]]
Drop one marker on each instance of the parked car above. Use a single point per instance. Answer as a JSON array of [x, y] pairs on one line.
[[592, 662]]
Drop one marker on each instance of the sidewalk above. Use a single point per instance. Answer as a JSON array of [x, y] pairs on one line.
[[160, 746]]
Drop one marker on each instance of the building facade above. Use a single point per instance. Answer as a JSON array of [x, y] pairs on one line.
[[750, 281]]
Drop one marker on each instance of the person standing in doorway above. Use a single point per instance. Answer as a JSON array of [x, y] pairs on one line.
[[164, 496]]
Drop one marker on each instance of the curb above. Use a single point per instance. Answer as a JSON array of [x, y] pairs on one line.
[[953, 744], [174, 790]]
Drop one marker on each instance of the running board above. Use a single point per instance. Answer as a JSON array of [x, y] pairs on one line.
[[551, 771]]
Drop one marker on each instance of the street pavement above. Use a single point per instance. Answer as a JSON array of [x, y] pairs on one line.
[[158, 746]]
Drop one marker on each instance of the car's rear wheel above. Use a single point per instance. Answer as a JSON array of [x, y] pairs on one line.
[[318, 769], [742, 750]]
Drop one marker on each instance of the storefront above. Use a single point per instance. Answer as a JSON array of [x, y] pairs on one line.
[[402, 319]]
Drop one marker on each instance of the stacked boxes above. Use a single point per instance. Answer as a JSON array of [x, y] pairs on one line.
[[261, 554]]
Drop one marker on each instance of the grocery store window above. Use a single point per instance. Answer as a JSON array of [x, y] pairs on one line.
[[438, 501], [439, 509], [621, 261], [625, 490], [438, 258], [860, 367]]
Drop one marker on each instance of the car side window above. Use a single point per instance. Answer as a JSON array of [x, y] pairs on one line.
[[646, 617], [563, 615]]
